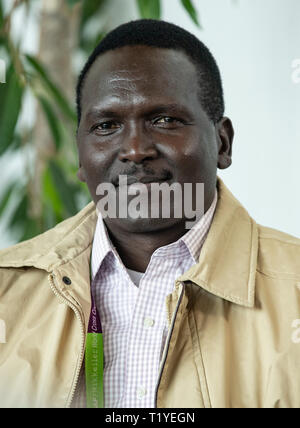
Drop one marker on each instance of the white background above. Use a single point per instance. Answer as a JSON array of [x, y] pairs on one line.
[[255, 43]]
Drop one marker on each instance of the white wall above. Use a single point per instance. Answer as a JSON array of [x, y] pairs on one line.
[[255, 43]]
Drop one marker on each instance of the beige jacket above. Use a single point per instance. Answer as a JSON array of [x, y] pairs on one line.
[[234, 318]]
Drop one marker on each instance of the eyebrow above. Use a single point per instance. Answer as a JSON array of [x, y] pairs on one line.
[[97, 112]]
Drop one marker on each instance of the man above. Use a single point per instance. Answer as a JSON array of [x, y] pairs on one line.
[[191, 317]]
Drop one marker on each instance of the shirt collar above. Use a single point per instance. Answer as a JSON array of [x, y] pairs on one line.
[[195, 237], [192, 241], [101, 246]]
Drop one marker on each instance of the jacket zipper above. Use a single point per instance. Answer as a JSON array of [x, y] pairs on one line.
[[82, 329], [166, 348]]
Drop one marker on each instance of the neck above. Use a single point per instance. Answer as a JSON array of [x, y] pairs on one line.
[[136, 249]]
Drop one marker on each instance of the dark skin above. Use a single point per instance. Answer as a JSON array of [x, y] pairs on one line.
[[141, 117]]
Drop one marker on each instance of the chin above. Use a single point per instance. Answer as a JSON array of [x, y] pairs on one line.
[[143, 225]]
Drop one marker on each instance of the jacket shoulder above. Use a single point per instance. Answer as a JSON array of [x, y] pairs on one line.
[[278, 253], [28, 252]]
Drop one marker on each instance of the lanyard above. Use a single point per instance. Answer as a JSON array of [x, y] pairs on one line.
[[94, 360]]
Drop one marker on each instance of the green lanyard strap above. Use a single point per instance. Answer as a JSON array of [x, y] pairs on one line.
[[94, 358]]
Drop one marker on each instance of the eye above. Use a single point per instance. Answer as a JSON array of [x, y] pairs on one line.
[[167, 121], [105, 128]]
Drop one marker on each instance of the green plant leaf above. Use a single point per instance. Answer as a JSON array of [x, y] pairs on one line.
[[3, 38], [11, 94], [6, 198], [149, 9], [16, 142], [30, 230], [20, 215], [66, 191], [50, 218], [4, 89], [53, 121], [89, 9], [190, 8], [1, 15], [72, 3], [54, 90], [50, 193], [22, 226]]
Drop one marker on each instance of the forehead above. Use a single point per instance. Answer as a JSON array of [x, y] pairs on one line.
[[151, 74]]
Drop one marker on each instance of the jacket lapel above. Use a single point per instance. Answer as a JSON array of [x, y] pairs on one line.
[[228, 259], [55, 247]]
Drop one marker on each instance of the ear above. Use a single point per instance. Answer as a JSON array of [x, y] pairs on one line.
[[225, 134], [81, 174]]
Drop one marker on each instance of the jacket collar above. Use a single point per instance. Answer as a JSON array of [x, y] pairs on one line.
[[226, 267], [228, 259], [55, 247]]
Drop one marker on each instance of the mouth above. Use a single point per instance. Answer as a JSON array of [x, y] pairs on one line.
[[147, 180]]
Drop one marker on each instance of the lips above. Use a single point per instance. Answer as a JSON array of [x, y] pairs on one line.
[[145, 179]]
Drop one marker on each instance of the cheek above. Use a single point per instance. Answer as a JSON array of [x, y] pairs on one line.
[[197, 161], [96, 166], [95, 161]]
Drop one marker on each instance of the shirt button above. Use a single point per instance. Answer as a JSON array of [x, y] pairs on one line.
[[148, 322], [141, 392]]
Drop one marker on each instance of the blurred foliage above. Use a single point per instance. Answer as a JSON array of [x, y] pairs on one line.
[[62, 195]]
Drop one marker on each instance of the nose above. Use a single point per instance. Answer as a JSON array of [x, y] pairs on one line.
[[138, 146]]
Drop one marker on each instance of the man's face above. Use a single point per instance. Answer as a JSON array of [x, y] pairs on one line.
[[142, 118]]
